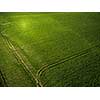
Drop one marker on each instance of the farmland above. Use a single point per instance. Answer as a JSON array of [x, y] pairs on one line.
[[49, 49]]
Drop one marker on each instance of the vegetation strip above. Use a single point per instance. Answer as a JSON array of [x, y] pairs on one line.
[[21, 60], [82, 53]]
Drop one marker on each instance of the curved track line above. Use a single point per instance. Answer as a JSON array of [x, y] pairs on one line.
[[82, 53], [73, 71]]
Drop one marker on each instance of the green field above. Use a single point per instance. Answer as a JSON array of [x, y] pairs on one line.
[[50, 49]]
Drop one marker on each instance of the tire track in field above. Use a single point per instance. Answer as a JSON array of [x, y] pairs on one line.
[[3, 79], [72, 72], [82, 53], [22, 60]]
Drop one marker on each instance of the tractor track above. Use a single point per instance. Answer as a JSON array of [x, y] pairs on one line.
[[44, 68], [82, 53], [73, 72], [3, 79], [22, 60]]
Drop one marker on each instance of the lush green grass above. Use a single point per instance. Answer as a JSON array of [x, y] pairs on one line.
[[59, 46]]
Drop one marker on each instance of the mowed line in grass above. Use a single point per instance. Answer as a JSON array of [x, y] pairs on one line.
[[21, 60]]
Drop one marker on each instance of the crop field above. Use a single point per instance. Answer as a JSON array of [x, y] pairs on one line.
[[50, 49]]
